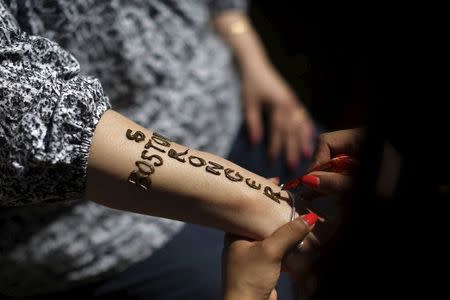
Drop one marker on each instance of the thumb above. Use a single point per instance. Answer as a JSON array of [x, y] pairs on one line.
[[228, 239], [288, 235], [273, 295]]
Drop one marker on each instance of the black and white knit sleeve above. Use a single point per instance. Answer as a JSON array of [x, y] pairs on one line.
[[218, 6], [48, 114]]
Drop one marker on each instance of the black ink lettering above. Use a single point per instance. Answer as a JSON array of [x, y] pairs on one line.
[[160, 141], [278, 195], [253, 184], [144, 168], [138, 136], [150, 145], [238, 177], [177, 155], [150, 157], [271, 194], [197, 161], [213, 168], [141, 177], [161, 137], [143, 182]]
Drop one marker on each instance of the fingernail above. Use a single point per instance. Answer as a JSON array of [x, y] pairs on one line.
[[311, 181], [310, 218]]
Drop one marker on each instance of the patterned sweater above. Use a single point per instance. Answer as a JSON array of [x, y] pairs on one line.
[[62, 62]]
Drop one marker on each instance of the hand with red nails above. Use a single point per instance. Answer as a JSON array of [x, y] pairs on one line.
[[251, 268], [331, 145]]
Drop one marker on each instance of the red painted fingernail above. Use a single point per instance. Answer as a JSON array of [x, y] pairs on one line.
[[310, 218], [311, 181]]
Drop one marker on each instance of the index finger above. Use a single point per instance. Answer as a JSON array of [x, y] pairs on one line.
[[337, 142], [321, 155]]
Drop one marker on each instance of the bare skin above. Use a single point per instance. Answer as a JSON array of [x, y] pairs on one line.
[[329, 145], [185, 191], [251, 268], [290, 127]]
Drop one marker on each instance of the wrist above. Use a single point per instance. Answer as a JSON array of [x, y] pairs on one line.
[[250, 62], [238, 32], [242, 294]]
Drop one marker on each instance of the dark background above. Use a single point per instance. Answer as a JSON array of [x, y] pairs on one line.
[[383, 65], [320, 53]]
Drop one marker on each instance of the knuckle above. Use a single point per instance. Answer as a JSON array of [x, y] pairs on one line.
[[277, 125], [296, 227], [323, 138], [269, 250], [291, 228]]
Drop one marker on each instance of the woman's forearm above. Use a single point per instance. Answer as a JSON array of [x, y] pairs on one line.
[[133, 169]]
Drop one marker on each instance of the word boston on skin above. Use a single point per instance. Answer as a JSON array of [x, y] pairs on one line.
[[147, 164]]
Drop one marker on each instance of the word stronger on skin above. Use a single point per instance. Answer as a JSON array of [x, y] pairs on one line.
[[147, 164]]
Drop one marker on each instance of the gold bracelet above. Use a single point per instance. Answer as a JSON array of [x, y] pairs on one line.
[[238, 27]]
